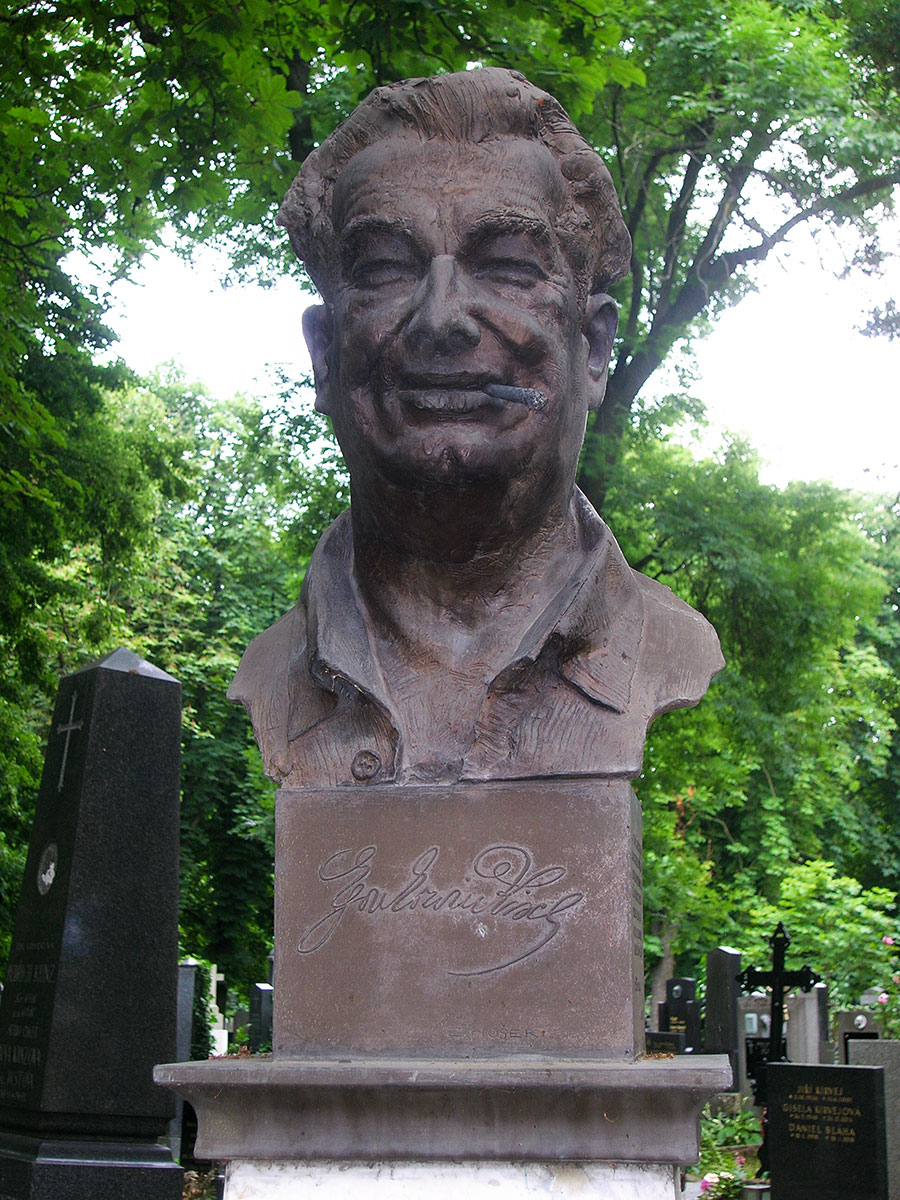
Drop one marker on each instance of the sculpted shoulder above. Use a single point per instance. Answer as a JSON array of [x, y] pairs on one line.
[[263, 685], [680, 652]]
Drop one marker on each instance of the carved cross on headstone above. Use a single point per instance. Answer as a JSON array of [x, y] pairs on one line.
[[778, 979], [71, 726]]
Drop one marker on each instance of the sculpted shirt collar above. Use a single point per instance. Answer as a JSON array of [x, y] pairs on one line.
[[596, 608]]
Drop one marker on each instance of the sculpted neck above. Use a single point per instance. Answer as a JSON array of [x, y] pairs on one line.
[[460, 555]]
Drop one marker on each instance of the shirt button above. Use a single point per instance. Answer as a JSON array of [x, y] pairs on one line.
[[365, 765]]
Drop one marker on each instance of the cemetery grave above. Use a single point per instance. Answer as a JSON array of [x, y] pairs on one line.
[[773, 1047], [89, 1002], [826, 1132]]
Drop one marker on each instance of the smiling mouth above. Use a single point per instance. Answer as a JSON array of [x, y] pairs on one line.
[[451, 400], [460, 395]]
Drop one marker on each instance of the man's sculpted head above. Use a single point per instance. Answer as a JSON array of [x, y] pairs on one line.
[[462, 234], [477, 107]]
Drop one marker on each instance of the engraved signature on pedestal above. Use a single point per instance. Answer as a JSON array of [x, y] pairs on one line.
[[503, 884]]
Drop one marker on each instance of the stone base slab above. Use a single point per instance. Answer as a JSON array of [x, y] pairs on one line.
[[39, 1167], [448, 1181], [527, 1108]]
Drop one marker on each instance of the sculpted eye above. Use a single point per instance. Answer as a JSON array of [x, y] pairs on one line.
[[520, 272], [379, 259], [382, 272]]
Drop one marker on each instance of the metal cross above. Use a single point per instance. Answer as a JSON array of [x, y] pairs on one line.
[[778, 979], [71, 726]]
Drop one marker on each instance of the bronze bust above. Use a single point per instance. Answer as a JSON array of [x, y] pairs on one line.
[[470, 617]]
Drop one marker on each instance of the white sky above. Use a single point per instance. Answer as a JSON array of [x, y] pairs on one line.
[[785, 366]]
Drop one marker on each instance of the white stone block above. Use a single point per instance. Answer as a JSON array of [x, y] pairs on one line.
[[251, 1180]]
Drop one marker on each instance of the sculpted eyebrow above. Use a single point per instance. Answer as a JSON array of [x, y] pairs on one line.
[[509, 224], [357, 230]]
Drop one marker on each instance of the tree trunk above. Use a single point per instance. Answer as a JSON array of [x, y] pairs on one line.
[[662, 971], [300, 136], [603, 440]]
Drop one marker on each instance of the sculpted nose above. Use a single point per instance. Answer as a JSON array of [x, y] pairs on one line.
[[442, 319]]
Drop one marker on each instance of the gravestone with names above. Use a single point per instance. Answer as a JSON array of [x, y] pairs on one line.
[[89, 1002], [680, 1013], [826, 1132], [883, 1053]]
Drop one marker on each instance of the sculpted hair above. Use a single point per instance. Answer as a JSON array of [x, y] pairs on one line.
[[474, 106]]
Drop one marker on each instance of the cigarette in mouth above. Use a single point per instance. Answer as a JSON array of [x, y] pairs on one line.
[[530, 397]]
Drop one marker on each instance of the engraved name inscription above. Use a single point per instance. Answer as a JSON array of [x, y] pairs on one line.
[[503, 885], [27, 1003], [817, 1113]]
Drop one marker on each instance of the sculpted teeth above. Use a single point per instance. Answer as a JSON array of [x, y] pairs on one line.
[[465, 398], [449, 401]]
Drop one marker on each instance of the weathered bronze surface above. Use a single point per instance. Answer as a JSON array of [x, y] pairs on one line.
[[459, 921], [471, 618]]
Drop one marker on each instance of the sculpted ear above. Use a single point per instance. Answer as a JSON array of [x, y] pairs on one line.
[[318, 331], [601, 317]]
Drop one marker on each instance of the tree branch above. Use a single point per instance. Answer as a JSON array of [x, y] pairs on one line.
[[675, 229], [300, 132]]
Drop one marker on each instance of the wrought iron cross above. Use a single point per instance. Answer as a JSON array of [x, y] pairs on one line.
[[778, 979]]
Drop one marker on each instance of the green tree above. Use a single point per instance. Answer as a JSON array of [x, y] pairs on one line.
[[840, 928], [761, 776], [865, 832], [229, 497], [757, 117], [226, 566]]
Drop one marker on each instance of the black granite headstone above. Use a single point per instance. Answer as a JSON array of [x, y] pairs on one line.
[[826, 1132], [855, 1023], [721, 1033], [184, 1020], [89, 1001], [663, 1043], [261, 1017], [680, 1012]]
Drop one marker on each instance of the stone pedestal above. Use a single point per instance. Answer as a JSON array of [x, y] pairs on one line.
[[458, 1004]]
